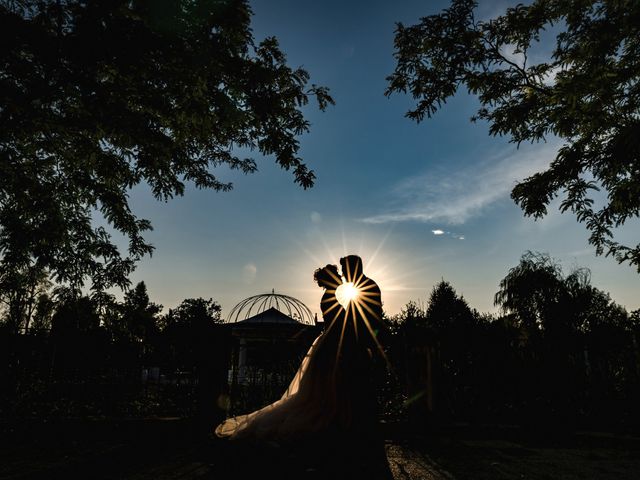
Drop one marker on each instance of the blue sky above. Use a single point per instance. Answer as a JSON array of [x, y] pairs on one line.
[[384, 185]]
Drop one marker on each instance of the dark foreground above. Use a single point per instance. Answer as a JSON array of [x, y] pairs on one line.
[[169, 449]]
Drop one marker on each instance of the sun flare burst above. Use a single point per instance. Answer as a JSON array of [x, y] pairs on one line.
[[346, 293], [386, 264]]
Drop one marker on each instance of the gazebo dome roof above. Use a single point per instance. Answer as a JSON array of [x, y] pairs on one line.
[[271, 308]]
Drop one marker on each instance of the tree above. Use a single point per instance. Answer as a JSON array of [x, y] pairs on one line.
[[634, 320], [192, 333], [139, 314], [530, 288], [195, 313], [590, 307], [75, 314], [22, 292], [447, 312], [446, 317], [587, 94], [454, 326], [98, 97], [542, 298], [42, 316]]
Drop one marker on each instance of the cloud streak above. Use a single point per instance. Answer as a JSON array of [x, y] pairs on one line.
[[249, 272], [455, 197], [439, 232]]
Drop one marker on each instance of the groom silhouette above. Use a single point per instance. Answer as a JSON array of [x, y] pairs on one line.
[[366, 363], [363, 321], [353, 334]]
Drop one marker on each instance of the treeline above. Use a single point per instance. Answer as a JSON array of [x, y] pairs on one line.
[[65, 354], [561, 353]]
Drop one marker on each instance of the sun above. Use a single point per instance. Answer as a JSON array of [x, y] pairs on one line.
[[346, 293]]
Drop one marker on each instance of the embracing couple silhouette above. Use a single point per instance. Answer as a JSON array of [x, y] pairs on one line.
[[332, 399]]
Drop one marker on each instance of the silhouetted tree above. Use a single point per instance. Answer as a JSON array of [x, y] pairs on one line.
[[20, 290], [586, 94], [455, 326], [74, 314], [78, 341], [198, 343], [189, 328], [194, 313], [529, 290], [447, 312], [540, 297], [407, 391], [139, 314], [411, 317], [45, 307], [98, 97], [634, 321], [577, 354], [592, 307], [111, 315], [435, 350]]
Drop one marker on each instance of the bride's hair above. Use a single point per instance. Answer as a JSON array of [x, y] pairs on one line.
[[327, 276]]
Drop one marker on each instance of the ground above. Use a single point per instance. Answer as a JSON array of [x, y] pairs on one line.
[[585, 455], [167, 450]]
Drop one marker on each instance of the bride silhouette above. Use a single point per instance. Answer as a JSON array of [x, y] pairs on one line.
[[333, 392]]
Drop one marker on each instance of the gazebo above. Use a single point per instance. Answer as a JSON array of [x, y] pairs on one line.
[[271, 332]]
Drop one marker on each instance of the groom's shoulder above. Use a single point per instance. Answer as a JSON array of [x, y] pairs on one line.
[[371, 284]]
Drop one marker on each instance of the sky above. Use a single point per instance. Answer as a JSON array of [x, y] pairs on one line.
[[419, 202]]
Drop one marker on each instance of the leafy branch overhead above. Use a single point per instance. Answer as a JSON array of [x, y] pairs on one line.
[[586, 93], [98, 97]]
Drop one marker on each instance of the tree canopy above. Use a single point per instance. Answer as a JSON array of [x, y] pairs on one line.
[[194, 313], [447, 310], [98, 97], [541, 297], [139, 313], [586, 93]]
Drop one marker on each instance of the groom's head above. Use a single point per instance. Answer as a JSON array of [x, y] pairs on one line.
[[351, 267]]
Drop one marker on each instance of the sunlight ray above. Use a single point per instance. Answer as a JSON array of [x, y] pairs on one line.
[[352, 306], [375, 339], [344, 325], [373, 256]]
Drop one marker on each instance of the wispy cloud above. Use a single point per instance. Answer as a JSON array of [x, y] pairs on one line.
[[439, 232], [249, 272], [453, 197], [511, 53], [316, 218], [539, 54], [590, 251]]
